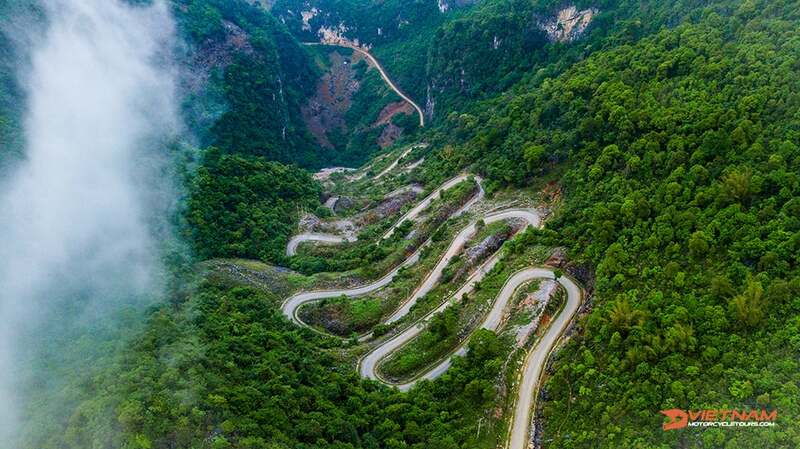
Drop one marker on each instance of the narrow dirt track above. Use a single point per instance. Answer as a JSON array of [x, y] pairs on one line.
[[383, 73]]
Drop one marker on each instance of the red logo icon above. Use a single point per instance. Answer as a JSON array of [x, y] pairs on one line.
[[678, 419]]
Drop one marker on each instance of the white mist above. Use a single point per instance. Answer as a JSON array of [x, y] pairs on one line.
[[76, 214]]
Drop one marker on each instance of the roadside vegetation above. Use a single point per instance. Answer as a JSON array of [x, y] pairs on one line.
[[345, 316], [449, 329], [371, 254], [242, 206]]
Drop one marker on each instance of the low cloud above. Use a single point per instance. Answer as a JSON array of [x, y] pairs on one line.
[[80, 214]]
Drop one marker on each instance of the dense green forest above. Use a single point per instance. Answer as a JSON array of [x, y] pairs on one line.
[[243, 206], [221, 368], [682, 190], [11, 97], [673, 129]]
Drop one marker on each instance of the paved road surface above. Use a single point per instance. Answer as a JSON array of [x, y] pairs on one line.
[[294, 242], [535, 361], [529, 215], [396, 161], [291, 247], [293, 303], [422, 205], [369, 363]]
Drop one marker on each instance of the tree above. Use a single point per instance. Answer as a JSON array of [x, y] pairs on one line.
[[623, 316], [748, 306], [533, 155], [698, 244]]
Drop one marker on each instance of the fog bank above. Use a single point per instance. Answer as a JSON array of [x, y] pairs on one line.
[[77, 217]]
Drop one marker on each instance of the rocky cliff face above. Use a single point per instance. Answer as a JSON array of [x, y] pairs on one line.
[[215, 53], [567, 24]]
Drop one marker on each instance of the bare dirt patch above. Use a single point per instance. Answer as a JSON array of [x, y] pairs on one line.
[[326, 110]]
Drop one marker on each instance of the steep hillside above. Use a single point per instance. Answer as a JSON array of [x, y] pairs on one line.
[[447, 56], [246, 79], [11, 93], [679, 161], [353, 114], [398, 32], [9, 108], [244, 82]]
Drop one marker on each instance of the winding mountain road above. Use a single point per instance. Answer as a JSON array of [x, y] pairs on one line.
[[383, 73], [422, 205], [294, 242], [294, 302], [368, 367], [531, 373], [530, 216], [519, 433], [397, 161]]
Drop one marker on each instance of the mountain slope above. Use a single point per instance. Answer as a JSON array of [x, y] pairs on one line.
[[246, 79], [447, 56], [680, 172], [666, 136]]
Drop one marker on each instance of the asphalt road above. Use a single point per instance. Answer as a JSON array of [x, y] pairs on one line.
[[536, 359], [460, 240], [369, 363], [422, 205], [394, 163], [294, 242]]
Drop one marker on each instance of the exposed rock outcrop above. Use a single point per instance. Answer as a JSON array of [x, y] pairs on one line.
[[391, 132], [558, 258], [309, 222], [568, 24], [342, 204], [216, 53]]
